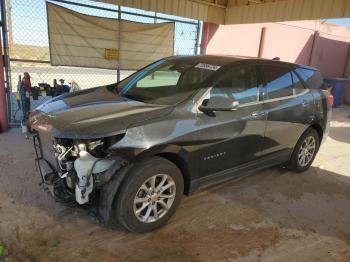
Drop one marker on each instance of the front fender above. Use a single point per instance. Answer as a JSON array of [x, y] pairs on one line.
[[108, 193], [114, 177]]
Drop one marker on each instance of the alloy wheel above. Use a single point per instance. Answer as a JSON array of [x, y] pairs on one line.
[[307, 151], [154, 198]]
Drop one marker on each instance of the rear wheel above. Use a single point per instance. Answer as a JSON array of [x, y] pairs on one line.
[[305, 151], [150, 195]]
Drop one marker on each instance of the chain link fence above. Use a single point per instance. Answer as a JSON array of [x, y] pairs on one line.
[[29, 45]]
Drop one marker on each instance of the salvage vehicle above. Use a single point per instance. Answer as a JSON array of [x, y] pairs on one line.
[[133, 148]]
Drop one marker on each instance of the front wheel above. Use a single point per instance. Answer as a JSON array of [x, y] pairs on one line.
[[305, 151], [150, 195]]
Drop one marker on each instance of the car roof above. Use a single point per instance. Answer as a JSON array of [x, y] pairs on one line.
[[210, 59], [226, 59]]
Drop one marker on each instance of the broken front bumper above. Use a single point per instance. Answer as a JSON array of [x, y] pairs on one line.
[[86, 172]]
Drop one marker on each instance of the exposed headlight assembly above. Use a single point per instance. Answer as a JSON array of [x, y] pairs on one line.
[[92, 145], [99, 147]]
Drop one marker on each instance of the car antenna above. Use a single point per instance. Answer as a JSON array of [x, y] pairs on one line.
[[276, 58]]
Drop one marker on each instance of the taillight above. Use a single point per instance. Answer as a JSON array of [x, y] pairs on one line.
[[330, 100]]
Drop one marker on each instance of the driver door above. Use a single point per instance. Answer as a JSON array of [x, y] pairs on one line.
[[233, 139]]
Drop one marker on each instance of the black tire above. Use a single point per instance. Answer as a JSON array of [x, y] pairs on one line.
[[135, 178], [294, 164]]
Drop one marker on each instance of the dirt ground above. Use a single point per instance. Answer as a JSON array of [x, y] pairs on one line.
[[270, 215]]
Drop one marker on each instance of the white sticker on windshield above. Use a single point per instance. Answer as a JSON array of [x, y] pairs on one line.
[[208, 66]]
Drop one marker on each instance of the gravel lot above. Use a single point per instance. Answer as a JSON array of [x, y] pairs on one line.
[[270, 215]]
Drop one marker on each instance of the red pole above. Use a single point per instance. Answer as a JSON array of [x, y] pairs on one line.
[[3, 109], [346, 66], [314, 43], [205, 37], [262, 43], [209, 29]]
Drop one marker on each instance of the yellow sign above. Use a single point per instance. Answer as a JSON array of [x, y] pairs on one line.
[[111, 54]]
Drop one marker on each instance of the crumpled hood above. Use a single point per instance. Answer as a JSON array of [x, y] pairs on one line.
[[92, 113]]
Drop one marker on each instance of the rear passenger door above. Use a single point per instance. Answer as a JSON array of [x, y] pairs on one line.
[[289, 108]]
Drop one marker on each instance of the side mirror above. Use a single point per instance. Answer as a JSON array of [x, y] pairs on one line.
[[218, 103]]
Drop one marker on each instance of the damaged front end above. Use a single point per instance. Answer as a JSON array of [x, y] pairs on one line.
[[72, 169]]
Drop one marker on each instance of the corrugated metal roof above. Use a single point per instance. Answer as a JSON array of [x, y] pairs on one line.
[[288, 10], [243, 11], [200, 10]]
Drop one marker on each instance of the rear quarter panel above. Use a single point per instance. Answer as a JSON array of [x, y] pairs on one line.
[[323, 112]]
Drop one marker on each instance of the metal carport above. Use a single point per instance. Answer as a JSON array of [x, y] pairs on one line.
[[243, 11]]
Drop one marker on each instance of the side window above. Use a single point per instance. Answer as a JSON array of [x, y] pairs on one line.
[[240, 83], [192, 77], [298, 85], [312, 78], [278, 80]]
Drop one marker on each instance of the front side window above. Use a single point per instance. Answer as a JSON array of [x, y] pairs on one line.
[[240, 83], [278, 81], [166, 82]]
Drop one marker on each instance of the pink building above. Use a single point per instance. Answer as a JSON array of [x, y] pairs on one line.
[[322, 45]]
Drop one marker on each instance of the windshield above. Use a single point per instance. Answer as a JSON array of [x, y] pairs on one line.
[[165, 82]]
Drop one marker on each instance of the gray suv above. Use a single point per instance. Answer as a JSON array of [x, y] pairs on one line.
[[132, 149]]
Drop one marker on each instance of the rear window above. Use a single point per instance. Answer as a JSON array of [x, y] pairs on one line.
[[312, 78]]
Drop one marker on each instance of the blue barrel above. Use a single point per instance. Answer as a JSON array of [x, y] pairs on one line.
[[338, 85]]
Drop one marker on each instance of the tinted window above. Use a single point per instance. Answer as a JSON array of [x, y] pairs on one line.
[[278, 81], [298, 85], [240, 83], [312, 78]]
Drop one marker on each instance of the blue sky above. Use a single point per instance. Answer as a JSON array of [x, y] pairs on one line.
[[341, 21]]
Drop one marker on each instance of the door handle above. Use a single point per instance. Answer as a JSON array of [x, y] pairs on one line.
[[258, 114], [304, 103]]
